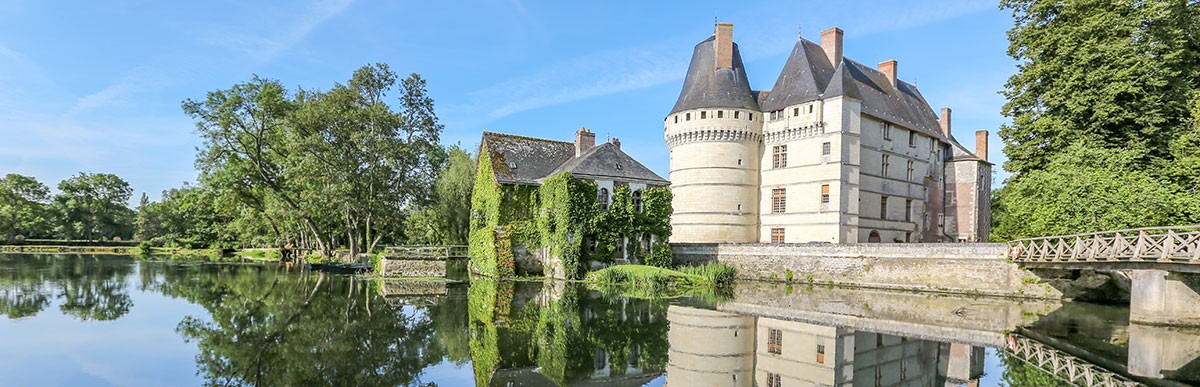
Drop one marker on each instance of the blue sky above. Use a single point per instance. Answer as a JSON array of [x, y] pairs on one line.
[[86, 86]]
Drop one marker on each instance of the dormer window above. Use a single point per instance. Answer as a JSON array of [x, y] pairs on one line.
[[512, 165]]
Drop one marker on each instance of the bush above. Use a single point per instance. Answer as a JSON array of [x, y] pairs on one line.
[[719, 274], [660, 255], [144, 248]]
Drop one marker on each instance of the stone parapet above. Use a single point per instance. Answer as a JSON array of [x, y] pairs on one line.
[[976, 268]]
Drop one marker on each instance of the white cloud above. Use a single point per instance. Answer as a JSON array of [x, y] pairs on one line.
[[266, 48]]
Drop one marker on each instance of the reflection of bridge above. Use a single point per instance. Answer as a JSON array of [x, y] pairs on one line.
[[1163, 261]]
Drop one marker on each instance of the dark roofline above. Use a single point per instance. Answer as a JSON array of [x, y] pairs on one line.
[[517, 136]]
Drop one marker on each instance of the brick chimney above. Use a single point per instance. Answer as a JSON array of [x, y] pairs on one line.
[[584, 140], [944, 120], [981, 144], [831, 42], [616, 142], [888, 67], [724, 45]]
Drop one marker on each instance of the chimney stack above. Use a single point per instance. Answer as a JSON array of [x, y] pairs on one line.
[[831, 42], [616, 142], [981, 144], [888, 67], [724, 45], [584, 140], [945, 121]]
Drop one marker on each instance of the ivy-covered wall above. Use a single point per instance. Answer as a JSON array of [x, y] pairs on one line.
[[563, 216]]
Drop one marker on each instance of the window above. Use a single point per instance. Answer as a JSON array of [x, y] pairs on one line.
[[602, 198], [720, 114], [687, 116], [773, 380], [932, 145], [676, 118], [751, 116], [907, 210], [810, 107], [736, 114], [795, 112], [777, 235], [779, 156], [883, 207], [637, 201], [826, 148], [820, 353], [887, 131], [778, 200], [912, 139], [774, 341], [887, 161], [703, 115], [824, 193], [910, 170]]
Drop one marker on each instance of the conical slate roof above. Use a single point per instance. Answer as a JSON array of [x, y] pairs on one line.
[[804, 77], [708, 86]]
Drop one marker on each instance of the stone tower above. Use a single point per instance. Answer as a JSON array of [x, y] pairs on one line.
[[714, 134]]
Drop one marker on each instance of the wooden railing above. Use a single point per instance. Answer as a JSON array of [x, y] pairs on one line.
[[1179, 244], [1063, 366], [427, 252]]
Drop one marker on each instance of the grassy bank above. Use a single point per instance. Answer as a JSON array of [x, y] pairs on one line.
[[642, 281]]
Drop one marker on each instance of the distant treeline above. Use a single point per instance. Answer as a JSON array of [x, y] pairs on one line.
[[317, 169]]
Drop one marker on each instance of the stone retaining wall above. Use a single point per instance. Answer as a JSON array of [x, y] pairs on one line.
[[413, 267], [977, 268]]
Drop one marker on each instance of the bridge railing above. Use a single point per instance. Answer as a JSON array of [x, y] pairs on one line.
[[1148, 244], [1063, 366]]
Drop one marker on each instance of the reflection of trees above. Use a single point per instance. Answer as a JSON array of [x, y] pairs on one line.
[[269, 327], [1018, 373], [90, 287], [571, 335]]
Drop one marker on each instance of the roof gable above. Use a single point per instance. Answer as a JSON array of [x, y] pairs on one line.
[[523, 160], [607, 161]]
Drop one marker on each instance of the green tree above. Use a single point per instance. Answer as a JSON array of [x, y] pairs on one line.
[[23, 202], [1103, 73], [1088, 189], [446, 219], [94, 205]]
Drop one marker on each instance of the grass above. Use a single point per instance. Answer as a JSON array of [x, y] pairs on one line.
[[655, 282]]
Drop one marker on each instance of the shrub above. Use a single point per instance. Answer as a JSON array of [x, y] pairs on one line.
[[660, 255]]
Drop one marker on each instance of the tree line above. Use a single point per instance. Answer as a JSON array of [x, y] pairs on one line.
[[344, 168], [1105, 117]]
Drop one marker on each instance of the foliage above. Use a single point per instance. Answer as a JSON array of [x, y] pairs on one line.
[[1018, 373], [485, 217], [277, 157], [1088, 189], [715, 273], [1102, 73], [24, 209], [660, 255], [657, 279], [445, 220], [92, 206], [567, 205]]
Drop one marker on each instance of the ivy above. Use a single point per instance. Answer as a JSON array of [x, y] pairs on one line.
[[567, 205]]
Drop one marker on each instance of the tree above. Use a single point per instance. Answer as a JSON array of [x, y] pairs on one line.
[[446, 219], [1103, 73], [94, 205], [1088, 189], [23, 203]]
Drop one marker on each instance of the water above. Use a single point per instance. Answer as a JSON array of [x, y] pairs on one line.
[[103, 320]]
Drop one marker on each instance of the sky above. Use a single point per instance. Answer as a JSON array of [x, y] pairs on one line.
[[97, 86]]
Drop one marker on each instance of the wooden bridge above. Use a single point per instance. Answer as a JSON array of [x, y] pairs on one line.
[[1162, 262], [1164, 248]]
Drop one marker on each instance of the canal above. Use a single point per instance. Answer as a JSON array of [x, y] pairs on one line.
[[109, 320]]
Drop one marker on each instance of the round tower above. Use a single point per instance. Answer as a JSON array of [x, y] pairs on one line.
[[714, 134]]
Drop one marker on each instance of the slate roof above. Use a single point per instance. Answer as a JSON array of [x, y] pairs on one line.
[[808, 75], [527, 160], [524, 160], [607, 162], [707, 86]]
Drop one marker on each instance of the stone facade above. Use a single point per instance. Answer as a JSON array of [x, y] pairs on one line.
[[834, 152]]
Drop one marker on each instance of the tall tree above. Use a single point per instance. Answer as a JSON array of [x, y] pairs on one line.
[[94, 205], [1103, 73], [23, 203], [446, 219]]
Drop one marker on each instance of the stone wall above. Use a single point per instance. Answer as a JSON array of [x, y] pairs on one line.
[[979, 268], [413, 267]]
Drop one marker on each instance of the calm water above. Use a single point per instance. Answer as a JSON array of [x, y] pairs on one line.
[[100, 320]]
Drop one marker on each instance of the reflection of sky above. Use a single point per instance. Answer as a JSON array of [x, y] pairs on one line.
[[992, 369], [448, 374], [140, 348]]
